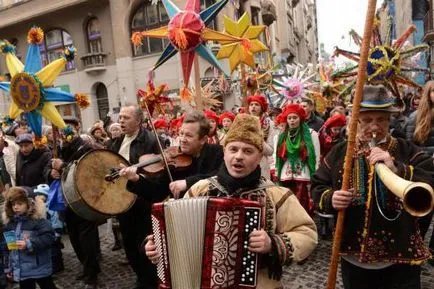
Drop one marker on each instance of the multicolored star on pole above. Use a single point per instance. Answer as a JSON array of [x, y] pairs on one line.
[[31, 84], [241, 52], [387, 60], [186, 33]]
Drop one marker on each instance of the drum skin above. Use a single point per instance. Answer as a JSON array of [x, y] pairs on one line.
[[87, 192]]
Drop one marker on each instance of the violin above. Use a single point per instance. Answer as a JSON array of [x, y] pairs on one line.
[[153, 164]]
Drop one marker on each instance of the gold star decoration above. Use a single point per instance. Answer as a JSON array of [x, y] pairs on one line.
[[241, 52]]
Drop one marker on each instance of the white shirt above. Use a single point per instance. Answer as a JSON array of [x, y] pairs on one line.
[[125, 146]]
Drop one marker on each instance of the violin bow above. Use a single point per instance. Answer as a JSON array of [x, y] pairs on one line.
[[141, 94], [361, 78]]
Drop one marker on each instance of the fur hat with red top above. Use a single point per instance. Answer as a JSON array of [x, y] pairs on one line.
[[259, 99], [294, 108], [228, 115], [209, 114], [160, 123]]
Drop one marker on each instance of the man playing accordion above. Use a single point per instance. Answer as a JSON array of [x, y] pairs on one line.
[[288, 234]]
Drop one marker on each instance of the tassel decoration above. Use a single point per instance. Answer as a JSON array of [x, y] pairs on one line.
[[6, 47], [137, 39], [35, 35], [186, 95], [82, 100], [70, 53]]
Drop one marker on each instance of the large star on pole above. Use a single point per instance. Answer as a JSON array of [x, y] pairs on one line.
[[386, 62], [186, 32], [31, 84], [241, 52]]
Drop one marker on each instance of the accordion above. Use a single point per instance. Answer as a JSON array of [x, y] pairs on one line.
[[204, 241]]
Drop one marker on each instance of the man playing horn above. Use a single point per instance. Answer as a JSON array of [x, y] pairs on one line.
[[381, 243]]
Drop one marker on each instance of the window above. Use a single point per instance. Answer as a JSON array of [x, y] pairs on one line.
[[149, 17], [53, 47], [94, 36]]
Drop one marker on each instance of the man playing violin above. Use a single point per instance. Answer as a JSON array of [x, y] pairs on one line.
[[206, 159], [381, 243]]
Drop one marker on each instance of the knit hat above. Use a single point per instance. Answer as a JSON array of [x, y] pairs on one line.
[[338, 120], [113, 125], [209, 114], [228, 115], [246, 129], [294, 108], [160, 123], [24, 138], [259, 99], [42, 189]]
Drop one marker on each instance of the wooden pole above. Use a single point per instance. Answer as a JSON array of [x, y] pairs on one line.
[[361, 78], [243, 87], [55, 152], [198, 96]]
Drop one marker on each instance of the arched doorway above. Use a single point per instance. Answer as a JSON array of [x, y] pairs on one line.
[[102, 100]]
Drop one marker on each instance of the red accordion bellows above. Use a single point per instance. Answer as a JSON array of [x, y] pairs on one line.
[[213, 254]]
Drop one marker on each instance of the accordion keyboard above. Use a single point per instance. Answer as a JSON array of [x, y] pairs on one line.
[[249, 264]]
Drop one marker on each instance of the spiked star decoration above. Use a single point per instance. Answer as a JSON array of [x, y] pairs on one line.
[[186, 32], [386, 62], [31, 84], [241, 52]]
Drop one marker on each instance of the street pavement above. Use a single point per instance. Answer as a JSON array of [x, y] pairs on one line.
[[116, 274]]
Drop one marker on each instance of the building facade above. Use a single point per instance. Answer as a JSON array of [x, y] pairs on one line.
[[110, 69]]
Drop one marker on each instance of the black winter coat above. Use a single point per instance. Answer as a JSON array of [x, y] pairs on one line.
[[428, 146], [33, 169], [367, 234], [205, 166], [144, 143]]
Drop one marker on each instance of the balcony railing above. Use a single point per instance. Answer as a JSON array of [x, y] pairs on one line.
[[94, 61], [428, 26]]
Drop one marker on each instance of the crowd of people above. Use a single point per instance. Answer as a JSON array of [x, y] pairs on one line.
[[291, 157]]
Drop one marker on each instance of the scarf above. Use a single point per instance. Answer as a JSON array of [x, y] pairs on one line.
[[235, 186], [294, 150]]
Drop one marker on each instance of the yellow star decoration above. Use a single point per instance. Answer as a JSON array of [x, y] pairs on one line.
[[241, 52]]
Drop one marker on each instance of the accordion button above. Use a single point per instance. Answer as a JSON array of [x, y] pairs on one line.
[[242, 279]]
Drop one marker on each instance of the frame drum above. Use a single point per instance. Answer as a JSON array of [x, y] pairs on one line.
[[86, 191]]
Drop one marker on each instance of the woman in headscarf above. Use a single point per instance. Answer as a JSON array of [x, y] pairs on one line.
[[297, 153]]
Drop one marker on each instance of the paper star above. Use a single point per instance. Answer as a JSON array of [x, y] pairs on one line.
[[241, 52], [31, 84], [186, 32]]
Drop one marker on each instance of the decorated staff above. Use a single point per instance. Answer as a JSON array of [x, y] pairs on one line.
[[361, 78]]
